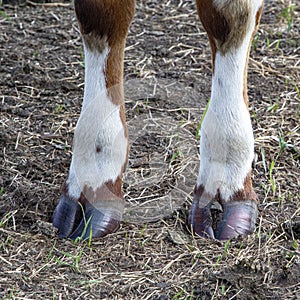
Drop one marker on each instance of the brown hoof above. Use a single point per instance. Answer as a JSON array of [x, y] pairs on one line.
[[92, 220], [238, 219]]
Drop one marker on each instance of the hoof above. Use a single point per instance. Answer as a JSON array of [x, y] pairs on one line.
[[90, 220], [65, 215], [238, 219], [200, 220]]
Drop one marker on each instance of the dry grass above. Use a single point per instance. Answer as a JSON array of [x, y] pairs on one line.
[[41, 81]]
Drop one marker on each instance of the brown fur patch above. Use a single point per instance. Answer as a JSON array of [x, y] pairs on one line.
[[114, 77], [247, 193], [226, 25], [105, 18], [107, 192]]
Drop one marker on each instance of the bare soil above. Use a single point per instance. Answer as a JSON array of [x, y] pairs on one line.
[[167, 83]]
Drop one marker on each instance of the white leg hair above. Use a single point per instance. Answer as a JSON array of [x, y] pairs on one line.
[[100, 145]]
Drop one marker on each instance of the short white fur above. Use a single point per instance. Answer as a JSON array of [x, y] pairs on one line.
[[99, 127], [227, 142]]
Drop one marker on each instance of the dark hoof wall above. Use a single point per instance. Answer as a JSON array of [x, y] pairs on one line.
[[90, 221], [64, 215], [238, 219], [200, 220]]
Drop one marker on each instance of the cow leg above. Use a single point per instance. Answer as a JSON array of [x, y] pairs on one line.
[[92, 203], [227, 143]]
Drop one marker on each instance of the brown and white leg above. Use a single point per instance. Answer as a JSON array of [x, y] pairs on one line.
[[100, 149], [227, 143]]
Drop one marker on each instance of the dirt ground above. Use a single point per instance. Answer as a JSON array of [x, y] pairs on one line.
[[167, 83]]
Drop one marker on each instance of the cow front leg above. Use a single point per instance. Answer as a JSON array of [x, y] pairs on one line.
[[227, 143], [92, 202]]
